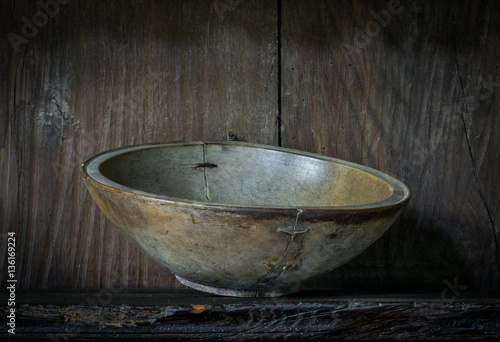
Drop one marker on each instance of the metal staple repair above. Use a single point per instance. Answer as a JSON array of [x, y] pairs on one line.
[[294, 233], [205, 165]]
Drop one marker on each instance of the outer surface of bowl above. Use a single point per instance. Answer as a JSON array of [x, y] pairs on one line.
[[205, 211]]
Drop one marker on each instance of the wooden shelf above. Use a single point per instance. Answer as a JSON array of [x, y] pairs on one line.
[[119, 314]]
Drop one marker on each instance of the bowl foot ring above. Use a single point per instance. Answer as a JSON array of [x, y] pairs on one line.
[[231, 292]]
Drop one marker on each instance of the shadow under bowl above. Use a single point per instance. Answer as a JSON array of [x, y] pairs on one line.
[[243, 219]]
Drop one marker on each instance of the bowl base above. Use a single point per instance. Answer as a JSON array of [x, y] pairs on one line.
[[233, 292]]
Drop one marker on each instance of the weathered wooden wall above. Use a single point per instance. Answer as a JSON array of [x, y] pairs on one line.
[[101, 75], [415, 94]]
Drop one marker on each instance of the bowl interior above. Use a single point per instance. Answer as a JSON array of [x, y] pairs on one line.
[[242, 174]]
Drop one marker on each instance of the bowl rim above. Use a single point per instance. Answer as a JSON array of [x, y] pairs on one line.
[[90, 171]]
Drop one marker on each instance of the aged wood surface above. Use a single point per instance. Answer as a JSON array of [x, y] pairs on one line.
[[99, 75], [117, 314], [410, 88]]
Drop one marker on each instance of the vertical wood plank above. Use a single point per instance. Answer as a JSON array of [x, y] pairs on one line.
[[99, 75], [386, 84], [477, 47]]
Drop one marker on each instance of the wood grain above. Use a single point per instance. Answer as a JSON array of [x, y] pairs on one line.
[[100, 75], [388, 85], [186, 315], [409, 88]]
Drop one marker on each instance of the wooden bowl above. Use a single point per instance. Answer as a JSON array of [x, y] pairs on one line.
[[243, 219]]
